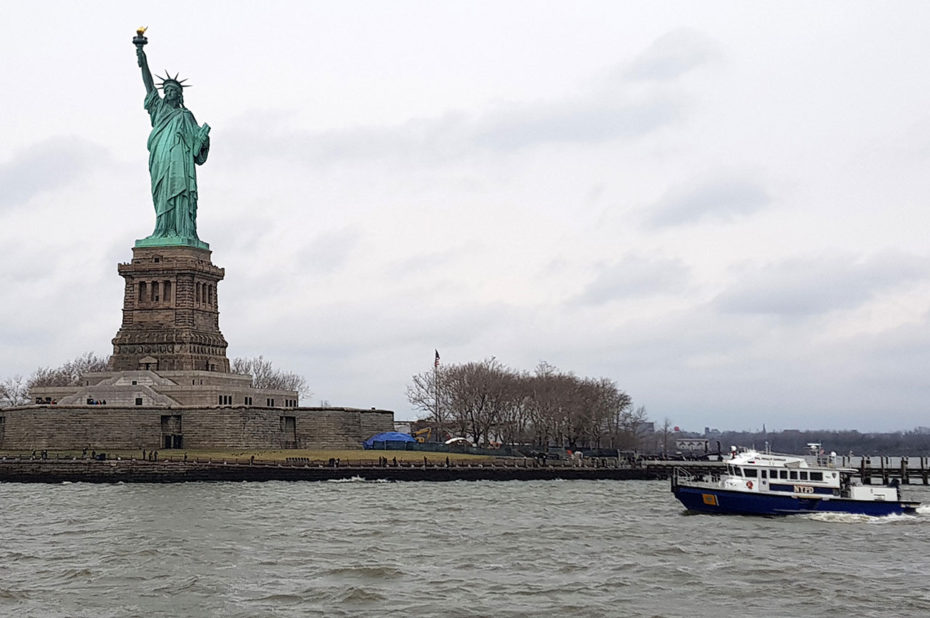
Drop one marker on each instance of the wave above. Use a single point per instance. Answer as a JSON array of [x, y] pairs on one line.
[[374, 572]]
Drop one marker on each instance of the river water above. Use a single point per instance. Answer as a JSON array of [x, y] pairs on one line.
[[593, 548]]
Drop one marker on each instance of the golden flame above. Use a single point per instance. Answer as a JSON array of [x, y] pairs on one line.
[[141, 30]]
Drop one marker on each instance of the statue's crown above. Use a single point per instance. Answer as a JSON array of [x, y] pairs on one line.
[[167, 79]]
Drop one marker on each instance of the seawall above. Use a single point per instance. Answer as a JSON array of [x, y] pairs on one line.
[[105, 428], [137, 471]]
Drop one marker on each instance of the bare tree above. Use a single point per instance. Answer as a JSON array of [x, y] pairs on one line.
[[545, 404], [491, 402], [626, 426], [610, 414], [427, 393], [514, 426], [14, 391], [69, 374], [637, 420], [472, 389], [666, 430], [265, 376]]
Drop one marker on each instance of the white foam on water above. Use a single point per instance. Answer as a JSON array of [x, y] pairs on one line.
[[840, 518]]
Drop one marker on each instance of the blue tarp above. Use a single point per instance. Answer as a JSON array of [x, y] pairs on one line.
[[388, 436]]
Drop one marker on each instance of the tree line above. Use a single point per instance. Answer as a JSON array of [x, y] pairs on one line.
[[844, 442], [14, 391], [266, 376], [492, 403]]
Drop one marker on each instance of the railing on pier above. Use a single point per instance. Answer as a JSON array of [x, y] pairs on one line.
[[903, 472]]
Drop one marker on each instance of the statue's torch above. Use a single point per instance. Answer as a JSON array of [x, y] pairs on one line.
[[139, 41]]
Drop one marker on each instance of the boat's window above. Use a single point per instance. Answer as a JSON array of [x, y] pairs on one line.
[[762, 473], [783, 474], [816, 476], [803, 474], [794, 475], [752, 472]]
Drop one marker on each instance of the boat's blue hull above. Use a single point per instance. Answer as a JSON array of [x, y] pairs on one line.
[[752, 503]]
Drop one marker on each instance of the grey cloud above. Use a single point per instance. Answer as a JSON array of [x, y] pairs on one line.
[[829, 382], [241, 235], [589, 117], [804, 287], [598, 114], [330, 251], [579, 121], [455, 136], [338, 329], [672, 55], [47, 165], [421, 263], [279, 275], [323, 147], [363, 354], [721, 198], [635, 277], [26, 262]]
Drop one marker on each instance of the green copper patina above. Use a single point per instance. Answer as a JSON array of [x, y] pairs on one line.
[[175, 144]]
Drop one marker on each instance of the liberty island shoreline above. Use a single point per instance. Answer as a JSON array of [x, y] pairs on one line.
[[141, 471], [878, 470]]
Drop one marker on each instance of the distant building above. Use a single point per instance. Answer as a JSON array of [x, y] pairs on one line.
[[403, 426], [692, 446]]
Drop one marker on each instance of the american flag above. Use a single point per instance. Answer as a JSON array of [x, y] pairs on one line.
[[436, 362]]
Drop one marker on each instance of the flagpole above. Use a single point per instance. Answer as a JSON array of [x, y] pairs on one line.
[[436, 382]]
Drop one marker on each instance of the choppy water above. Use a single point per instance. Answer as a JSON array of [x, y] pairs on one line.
[[594, 548]]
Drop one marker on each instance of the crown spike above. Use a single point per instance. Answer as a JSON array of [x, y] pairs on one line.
[[168, 79]]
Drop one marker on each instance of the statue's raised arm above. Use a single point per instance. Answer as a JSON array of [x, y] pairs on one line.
[[176, 144], [140, 40], [146, 74]]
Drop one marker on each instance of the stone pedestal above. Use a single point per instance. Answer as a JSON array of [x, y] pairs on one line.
[[170, 312]]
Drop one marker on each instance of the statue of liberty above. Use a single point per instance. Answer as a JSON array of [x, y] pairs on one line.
[[175, 144]]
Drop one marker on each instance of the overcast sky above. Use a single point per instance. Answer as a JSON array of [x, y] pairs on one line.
[[722, 206]]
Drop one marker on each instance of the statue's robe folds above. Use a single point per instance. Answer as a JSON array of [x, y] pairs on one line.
[[175, 145]]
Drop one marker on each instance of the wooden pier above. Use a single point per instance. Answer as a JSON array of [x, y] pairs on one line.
[[910, 468]]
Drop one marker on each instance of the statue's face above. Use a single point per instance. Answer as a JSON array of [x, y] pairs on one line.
[[173, 94]]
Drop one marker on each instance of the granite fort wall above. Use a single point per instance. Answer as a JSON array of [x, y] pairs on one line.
[[112, 427]]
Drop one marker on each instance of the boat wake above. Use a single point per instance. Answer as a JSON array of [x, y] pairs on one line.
[[856, 518], [840, 518]]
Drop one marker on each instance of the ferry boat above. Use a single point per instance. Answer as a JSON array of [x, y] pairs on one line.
[[757, 483]]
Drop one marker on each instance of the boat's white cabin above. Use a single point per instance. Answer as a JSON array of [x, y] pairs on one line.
[[756, 471]]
